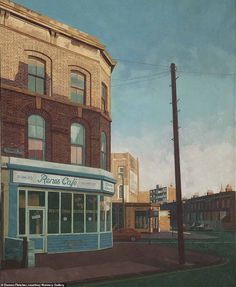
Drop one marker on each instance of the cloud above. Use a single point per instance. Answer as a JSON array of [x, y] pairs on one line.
[[207, 157]]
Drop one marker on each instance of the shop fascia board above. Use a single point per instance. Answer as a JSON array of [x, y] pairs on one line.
[[59, 168]]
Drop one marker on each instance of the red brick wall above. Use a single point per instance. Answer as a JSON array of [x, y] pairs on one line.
[[16, 107]]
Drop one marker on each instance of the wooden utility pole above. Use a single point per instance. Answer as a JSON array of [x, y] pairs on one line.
[[177, 167]]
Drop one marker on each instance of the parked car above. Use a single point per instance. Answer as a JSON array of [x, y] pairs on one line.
[[200, 227], [126, 234]]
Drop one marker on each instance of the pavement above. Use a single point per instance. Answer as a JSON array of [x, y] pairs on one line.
[[173, 235], [123, 260]]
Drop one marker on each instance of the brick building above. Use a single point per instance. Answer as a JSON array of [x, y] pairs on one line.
[[211, 211], [134, 212], [125, 169], [162, 194], [55, 133]]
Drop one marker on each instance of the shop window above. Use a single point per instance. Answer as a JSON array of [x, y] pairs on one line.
[[66, 212], [36, 198], [91, 213], [78, 213], [77, 144], [105, 214], [108, 213], [103, 151], [36, 75], [104, 98], [36, 137], [141, 219], [53, 212], [77, 88], [102, 214], [22, 211]]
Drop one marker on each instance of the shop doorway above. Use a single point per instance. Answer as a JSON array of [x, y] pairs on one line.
[[36, 228]]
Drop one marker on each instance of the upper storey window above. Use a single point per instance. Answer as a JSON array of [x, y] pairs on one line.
[[36, 75], [77, 144], [36, 137], [77, 87], [103, 151], [104, 98]]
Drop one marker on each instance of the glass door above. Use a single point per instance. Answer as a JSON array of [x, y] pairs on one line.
[[37, 228]]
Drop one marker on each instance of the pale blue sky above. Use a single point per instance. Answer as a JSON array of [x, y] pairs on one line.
[[200, 37]]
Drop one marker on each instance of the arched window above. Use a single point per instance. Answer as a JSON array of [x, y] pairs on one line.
[[77, 87], [103, 151], [36, 75], [104, 98], [77, 136], [36, 137]]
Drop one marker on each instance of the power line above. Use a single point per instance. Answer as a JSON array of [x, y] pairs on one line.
[[141, 77], [135, 82], [205, 73], [140, 63]]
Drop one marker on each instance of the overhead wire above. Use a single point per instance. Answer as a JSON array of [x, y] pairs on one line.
[[139, 77], [144, 80], [141, 63], [205, 73]]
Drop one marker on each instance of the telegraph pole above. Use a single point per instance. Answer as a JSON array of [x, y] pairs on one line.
[[177, 167]]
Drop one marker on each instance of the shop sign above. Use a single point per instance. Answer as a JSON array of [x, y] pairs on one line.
[[108, 186], [55, 180], [13, 150]]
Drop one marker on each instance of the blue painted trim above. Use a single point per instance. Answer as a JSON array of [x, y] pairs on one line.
[[13, 209], [24, 185], [60, 172]]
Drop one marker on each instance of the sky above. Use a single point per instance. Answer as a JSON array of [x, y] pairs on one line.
[[145, 37]]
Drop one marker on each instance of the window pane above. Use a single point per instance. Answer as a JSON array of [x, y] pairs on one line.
[[77, 96], [76, 155], [39, 132], [103, 151], [36, 76], [31, 83], [32, 66], [53, 212], [35, 149], [77, 134], [39, 86], [66, 213], [32, 131], [36, 134], [40, 69], [77, 80], [103, 160], [36, 120], [121, 191], [104, 97], [22, 212], [36, 221], [91, 213], [103, 105], [108, 213], [103, 142], [102, 214], [141, 219], [36, 198], [78, 213]]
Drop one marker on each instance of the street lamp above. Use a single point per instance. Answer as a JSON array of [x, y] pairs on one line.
[[121, 175]]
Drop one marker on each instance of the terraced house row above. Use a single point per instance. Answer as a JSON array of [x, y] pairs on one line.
[[55, 135]]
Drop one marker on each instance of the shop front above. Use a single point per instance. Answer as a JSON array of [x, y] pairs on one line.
[[57, 207]]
